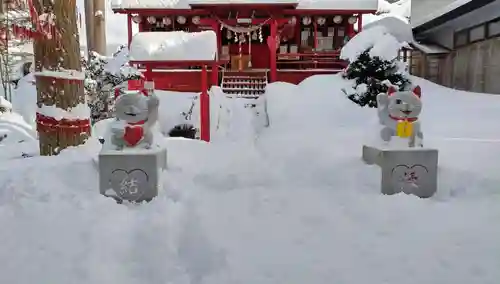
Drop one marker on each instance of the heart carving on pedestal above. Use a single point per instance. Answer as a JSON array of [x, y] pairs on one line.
[[133, 134], [407, 178], [129, 185]]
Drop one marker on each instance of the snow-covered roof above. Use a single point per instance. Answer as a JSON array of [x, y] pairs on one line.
[[173, 46], [350, 5], [236, 2], [358, 5], [430, 48], [427, 17], [150, 4]]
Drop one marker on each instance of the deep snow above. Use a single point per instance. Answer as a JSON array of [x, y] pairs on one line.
[[294, 205]]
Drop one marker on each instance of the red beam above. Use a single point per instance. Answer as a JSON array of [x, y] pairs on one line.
[[251, 6], [233, 22]]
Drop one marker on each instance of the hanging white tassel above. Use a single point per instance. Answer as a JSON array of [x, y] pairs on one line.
[[250, 49]]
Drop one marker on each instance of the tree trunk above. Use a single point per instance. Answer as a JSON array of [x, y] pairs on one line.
[[89, 25], [61, 52], [99, 23]]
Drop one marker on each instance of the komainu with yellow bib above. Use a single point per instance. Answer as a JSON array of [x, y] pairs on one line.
[[398, 112]]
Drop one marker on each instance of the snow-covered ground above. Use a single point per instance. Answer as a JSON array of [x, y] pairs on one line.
[[294, 205]]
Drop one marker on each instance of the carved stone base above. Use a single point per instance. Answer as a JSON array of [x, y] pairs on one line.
[[412, 170], [132, 175]]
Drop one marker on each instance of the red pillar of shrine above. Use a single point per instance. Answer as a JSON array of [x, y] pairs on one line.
[[271, 42], [204, 107], [129, 29]]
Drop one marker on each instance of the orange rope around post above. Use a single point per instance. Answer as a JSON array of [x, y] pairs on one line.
[[204, 106]]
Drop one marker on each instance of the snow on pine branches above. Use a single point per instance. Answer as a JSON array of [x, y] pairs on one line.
[[102, 75], [374, 65]]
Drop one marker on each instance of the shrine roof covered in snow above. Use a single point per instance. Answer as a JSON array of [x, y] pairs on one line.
[[173, 47], [346, 5]]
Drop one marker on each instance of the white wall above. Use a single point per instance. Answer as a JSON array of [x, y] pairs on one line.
[[443, 34]]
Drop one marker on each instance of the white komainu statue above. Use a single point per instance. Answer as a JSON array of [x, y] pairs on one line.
[[398, 112], [135, 115]]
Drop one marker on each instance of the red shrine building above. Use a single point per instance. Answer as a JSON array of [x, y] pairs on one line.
[[258, 41]]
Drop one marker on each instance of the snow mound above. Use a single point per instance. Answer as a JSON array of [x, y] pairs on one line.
[[5, 104], [16, 129], [395, 25], [24, 99], [378, 39]]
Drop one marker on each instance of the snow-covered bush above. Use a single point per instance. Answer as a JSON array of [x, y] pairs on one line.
[[104, 74], [373, 65]]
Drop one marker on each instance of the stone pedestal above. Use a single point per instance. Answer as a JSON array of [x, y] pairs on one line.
[[132, 175], [412, 170]]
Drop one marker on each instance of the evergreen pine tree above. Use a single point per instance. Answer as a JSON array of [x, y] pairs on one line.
[[101, 81], [373, 76]]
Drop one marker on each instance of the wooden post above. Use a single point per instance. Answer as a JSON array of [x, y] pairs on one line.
[[360, 22], [272, 50], [99, 26], [129, 30], [204, 107], [215, 73], [315, 34], [59, 54], [89, 24]]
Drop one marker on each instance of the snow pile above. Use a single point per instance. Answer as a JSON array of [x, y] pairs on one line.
[[396, 26], [62, 74], [300, 204], [24, 99], [14, 129], [378, 39], [80, 111], [5, 105], [400, 9], [173, 46]]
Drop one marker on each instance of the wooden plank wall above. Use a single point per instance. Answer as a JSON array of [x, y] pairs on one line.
[[475, 67]]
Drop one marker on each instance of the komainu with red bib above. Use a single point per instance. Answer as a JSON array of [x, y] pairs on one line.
[[135, 114], [398, 113]]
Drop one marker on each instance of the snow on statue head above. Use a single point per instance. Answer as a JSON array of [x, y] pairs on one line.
[[136, 114], [132, 108], [398, 113]]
